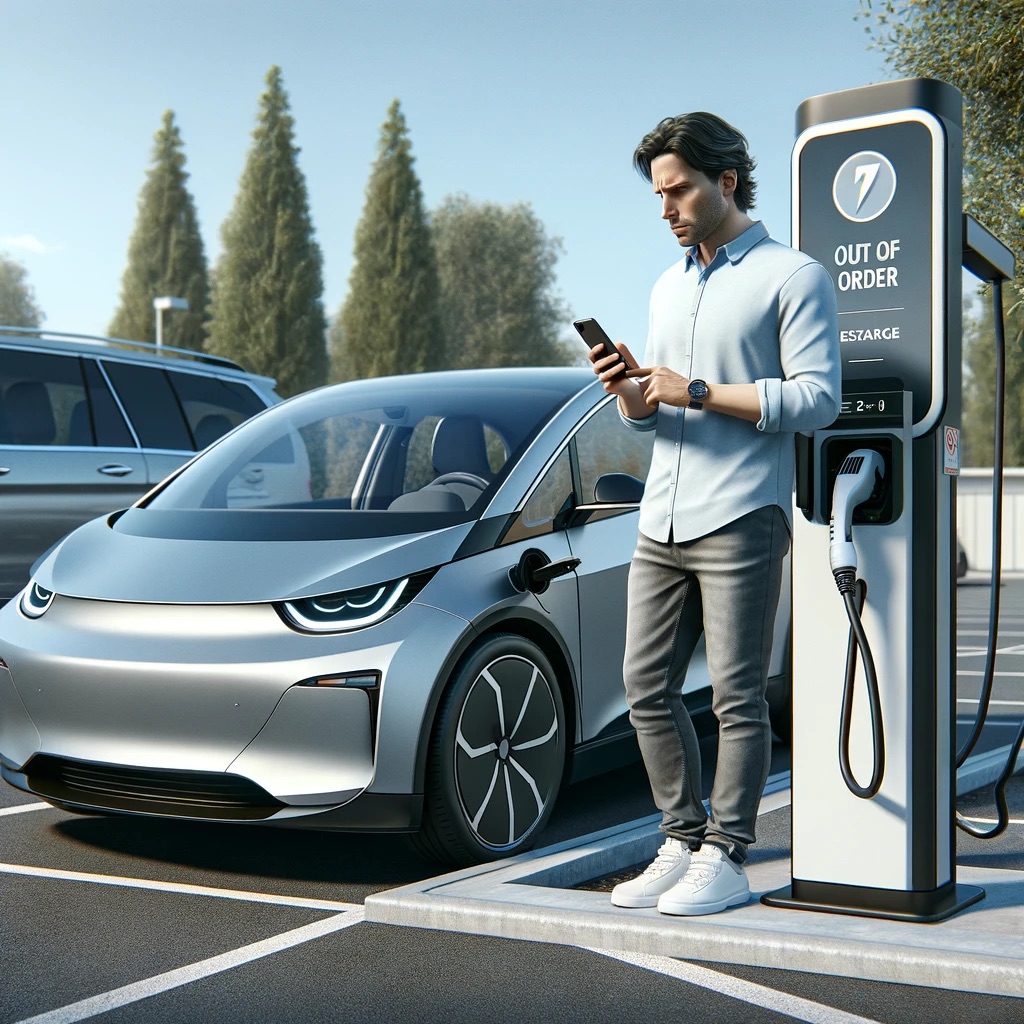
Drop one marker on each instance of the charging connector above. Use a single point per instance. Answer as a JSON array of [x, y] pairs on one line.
[[859, 475]]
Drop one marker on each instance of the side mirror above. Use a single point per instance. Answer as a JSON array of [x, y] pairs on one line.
[[618, 489]]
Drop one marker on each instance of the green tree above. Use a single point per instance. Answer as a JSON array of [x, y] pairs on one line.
[[979, 383], [496, 267], [389, 321], [977, 46], [17, 297], [165, 253], [267, 309]]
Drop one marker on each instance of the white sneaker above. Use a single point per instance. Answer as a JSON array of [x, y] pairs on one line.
[[711, 883], [659, 876]]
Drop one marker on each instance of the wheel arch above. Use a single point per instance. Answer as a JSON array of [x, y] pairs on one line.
[[530, 625]]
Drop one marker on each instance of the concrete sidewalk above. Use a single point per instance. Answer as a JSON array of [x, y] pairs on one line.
[[542, 896]]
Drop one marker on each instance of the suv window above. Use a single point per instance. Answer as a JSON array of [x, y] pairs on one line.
[[152, 406], [212, 406], [42, 399], [106, 426]]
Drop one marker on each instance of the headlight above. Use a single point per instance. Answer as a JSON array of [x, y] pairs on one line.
[[35, 600], [351, 609]]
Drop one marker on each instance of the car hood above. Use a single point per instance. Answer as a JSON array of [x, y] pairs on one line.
[[100, 563]]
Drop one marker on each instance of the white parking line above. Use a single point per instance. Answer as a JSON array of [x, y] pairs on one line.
[[978, 672], [1009, 703], [115, 998], [179, 887], [993, 821], [978, 652], [21, 808], [737, 988]]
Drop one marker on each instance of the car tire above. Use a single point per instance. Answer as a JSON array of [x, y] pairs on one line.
[[497, 754]]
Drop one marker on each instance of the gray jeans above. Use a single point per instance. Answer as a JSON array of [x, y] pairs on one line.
[[725, 585]]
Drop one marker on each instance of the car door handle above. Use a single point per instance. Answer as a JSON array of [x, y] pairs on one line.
[[115, 469], [4, 470]]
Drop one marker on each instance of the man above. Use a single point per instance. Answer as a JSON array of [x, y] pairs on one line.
[[742, 351]]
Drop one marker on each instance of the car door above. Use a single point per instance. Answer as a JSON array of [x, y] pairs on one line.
[[66, 455], [603, 537]]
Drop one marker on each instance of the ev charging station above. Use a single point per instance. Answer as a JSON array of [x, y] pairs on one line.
[[877, 201]]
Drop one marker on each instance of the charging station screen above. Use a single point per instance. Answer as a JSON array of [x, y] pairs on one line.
[[868, 205]]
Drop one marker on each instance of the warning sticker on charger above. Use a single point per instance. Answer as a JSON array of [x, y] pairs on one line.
[[951, 451]]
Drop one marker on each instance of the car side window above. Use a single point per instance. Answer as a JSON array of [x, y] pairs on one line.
[[152, 405], [604, 444], [42, 400], [212, 406], [550, 496], [106, 428]]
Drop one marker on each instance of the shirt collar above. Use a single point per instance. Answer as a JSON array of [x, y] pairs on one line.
[[737, 248]]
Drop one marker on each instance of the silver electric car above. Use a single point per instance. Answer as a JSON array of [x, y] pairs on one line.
[[392, 604]]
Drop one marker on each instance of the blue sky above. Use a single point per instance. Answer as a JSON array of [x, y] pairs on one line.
[[540, 101]]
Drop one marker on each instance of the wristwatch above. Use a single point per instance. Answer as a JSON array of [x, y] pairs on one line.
[[698, 392]]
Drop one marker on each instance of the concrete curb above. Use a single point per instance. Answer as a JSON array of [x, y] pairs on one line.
[[532, 897]]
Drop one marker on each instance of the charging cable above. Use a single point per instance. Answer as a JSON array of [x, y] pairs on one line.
[[985, 697], [858, 476]]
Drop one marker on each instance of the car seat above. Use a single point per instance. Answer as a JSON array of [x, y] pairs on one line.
[[209, 428], [458, 453], [29, 413]]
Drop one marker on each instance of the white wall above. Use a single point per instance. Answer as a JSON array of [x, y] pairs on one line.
[[974, 517]]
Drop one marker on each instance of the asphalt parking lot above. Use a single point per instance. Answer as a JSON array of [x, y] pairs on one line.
[[123, 919]]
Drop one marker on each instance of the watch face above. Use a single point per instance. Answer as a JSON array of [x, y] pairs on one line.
[[698, 389]]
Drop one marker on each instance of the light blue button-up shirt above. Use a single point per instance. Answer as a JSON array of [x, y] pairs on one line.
[[759, 313]]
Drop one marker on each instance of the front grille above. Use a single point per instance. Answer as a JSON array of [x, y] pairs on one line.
[[186, 794]]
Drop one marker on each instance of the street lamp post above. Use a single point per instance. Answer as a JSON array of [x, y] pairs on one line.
[[160, 304]]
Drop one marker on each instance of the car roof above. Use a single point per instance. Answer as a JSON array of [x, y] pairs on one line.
[[40, 340]]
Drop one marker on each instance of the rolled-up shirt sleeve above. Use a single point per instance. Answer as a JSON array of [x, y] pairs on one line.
[[647, 423], [808, 395]]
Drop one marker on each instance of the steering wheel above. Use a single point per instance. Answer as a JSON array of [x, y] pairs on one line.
[[461, 478]]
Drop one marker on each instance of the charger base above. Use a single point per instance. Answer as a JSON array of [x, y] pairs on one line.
[[922, 907]]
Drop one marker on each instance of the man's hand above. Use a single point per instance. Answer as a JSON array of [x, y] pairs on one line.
[[607, 369], [660, 384]]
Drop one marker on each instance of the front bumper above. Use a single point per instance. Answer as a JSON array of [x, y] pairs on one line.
[[209, 712]]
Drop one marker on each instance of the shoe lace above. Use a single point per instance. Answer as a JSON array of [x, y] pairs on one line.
[[668, 856], [703, 868]]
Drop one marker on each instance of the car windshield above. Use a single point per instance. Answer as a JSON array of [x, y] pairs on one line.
[[425, 443]]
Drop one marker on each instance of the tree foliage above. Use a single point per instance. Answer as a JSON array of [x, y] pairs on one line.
[[17, 297], [165, 252], [977, 46], [496, 267], [267, 309], [979, 384], [389, 321]]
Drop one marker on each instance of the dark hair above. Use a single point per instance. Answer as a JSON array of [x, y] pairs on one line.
[[708, 144]]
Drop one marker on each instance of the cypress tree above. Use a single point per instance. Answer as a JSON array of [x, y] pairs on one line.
[[17, 297], [165, 253], [267, 308], [389, 321]]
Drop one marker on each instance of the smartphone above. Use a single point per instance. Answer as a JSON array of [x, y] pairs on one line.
[[593, 334]]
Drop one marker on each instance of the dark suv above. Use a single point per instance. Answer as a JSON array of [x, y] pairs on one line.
[[88, 424]]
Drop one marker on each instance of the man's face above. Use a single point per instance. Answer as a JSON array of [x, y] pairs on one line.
[[691, 202]]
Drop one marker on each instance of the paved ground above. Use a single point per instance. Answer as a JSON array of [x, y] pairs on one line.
[[120, 919]]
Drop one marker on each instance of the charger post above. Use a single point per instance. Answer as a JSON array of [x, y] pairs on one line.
[[877, 200]]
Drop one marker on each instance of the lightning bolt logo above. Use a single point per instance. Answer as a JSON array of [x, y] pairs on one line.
[[864, 185], [864, 175]]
